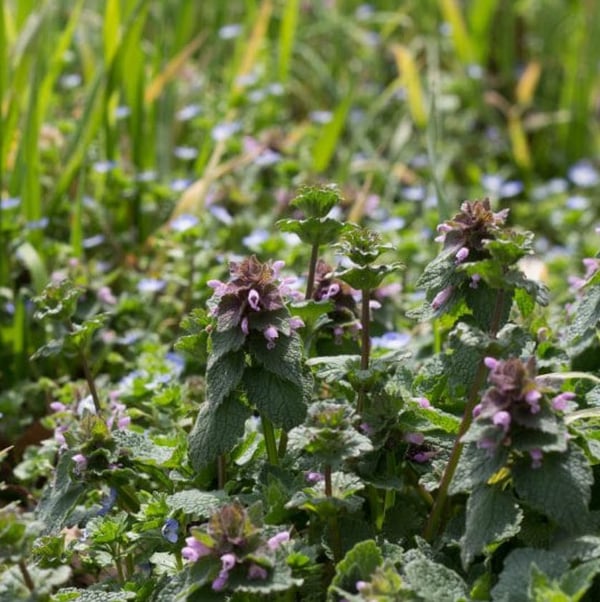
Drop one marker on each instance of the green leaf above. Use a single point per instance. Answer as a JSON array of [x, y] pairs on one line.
[[313, 231], [513, 584], [284, 360], [224, 341], [193, 501], [439, 273], [577, 581], [60, 498], [216, 431], [560, 488], [141, 447], [223, 374], [544, 589], [586, 315], [434, 581], [357, 565], [475, 467], [279, 580], [493, 516], [482, 302], [367, 277], [316, 202], [281, 401], [310, 310]]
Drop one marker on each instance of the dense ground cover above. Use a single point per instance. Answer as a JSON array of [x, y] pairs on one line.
[[255, 344]]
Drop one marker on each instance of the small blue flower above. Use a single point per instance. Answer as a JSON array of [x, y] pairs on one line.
[[151, 285], [223, 131], [188, 112], [229, 32], [584, 174], [186, 153], [170, 530], [92, 241], [9, 203], [108, 501], [184, 222]]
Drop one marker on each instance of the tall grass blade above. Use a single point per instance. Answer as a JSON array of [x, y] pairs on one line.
[[287, 34], [462, 42], [327, 142], [409, 76]]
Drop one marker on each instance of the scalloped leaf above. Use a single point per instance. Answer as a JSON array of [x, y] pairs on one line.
[[223, 375], [216, 431]]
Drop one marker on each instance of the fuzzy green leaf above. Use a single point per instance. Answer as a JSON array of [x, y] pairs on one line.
[[192, 501], [60, 498], [282, 401], [225, 341], [434, 581], [586, 312], [284, 360], [223, 374], [475, 467], [141, 447], [313, 231], [316, 202], [367, 277], [357, 565], [216, 431], [514, 580], [493, 516], [560, 488]]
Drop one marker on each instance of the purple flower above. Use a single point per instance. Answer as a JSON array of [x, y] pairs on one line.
[[491, 362], [253, 300], [462, 254], [424, 403], [533, 397], [57, 406], [280, 538], [194, 549], [314, 477], [536, 457], [561, 401], [80, 463], [502, 419], [270, 333], [442, 298], [105, 295], [228, 562], [296, 322]]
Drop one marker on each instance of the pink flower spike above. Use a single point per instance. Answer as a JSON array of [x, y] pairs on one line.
[[253, 299], [502, 419], [123, 422], [278, 539], [560, 402], [491, 362], [462, 254]]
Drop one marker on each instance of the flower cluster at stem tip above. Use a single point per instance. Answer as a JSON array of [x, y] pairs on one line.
[[253, 288], [231, 538], [514, 400], [464, 236]]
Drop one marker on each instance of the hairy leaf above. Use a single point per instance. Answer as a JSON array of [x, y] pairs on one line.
[[216, 431], [280, 400], [560, 488], [492, 517], [223, 374]]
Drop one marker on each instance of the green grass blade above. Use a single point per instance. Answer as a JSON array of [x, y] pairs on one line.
[[287, 34], [330, 135], [111, 29]]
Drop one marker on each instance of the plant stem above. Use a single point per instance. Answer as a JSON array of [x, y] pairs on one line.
[[270, 443], [434, 523], [328, 484], [365, 347], [87, 372], [221, 471], [312, 268], [26, 575]]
